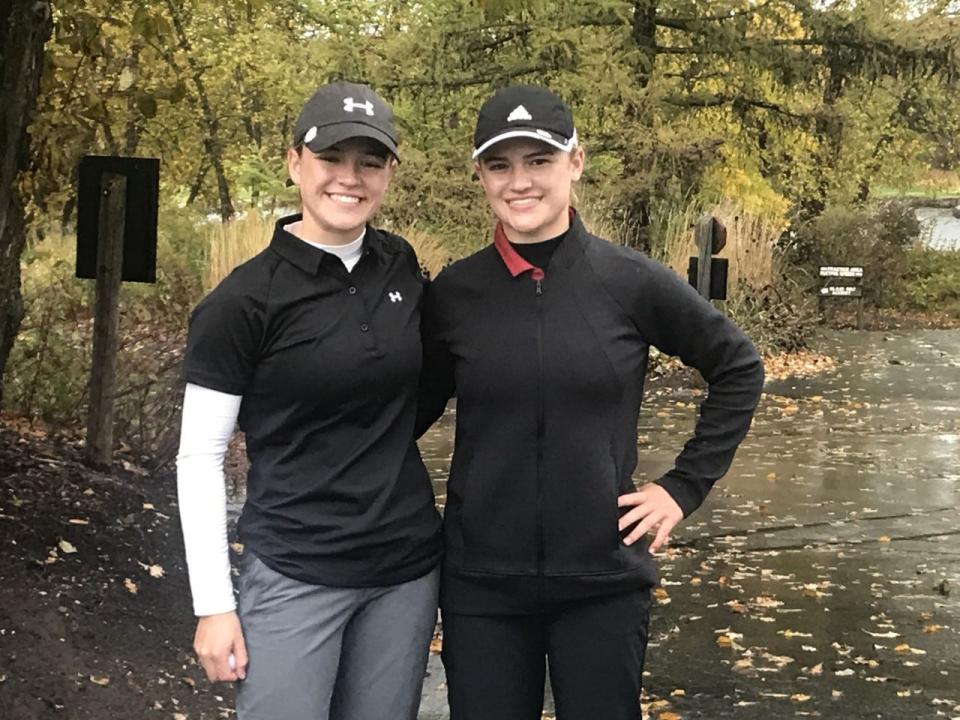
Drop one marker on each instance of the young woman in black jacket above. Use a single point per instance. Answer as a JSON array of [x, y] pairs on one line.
[[543, 337]]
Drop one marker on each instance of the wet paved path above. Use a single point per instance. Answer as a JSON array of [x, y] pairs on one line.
[[822, 577]]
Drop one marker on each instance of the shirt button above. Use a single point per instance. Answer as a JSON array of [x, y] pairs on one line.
[[364, 327], [352, 290]]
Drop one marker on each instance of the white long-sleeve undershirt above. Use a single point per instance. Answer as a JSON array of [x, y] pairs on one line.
[[209, 418]]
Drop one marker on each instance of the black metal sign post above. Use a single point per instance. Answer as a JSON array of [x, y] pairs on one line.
[[106, 319], [116, 242], [841, 281]]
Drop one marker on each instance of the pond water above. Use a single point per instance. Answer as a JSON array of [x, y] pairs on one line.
[[941, 230]]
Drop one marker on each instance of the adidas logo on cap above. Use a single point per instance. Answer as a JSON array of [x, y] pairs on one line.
[[527, 111], [519, 113]]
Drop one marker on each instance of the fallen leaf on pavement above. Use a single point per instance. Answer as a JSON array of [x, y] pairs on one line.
[[66, 547]]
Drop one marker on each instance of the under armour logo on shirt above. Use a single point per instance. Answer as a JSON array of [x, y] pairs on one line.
[[395, 297], [349, 106], [519, 113]]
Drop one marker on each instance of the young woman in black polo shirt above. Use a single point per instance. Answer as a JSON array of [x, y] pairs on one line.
[[314, 346], [543, 337]]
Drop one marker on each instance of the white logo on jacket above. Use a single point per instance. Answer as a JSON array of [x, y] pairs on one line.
[[519, 113], [395, 297], [349, 106]]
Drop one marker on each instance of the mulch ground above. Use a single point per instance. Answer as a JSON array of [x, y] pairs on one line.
[[95, 616]]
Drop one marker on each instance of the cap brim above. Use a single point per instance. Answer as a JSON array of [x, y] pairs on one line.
[[557, 141], [332, 134]]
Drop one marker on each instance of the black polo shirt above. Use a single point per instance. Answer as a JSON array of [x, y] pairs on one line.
[[327, 363]]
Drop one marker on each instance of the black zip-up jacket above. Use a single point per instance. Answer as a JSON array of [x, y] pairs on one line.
[[548, 370]]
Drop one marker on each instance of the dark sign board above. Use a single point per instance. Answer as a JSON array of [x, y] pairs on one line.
[[841, 281], [140, 224], [718, 276]]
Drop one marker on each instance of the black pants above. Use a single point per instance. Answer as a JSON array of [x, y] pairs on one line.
[[495, 665]]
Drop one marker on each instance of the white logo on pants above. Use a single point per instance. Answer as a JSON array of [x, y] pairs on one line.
[[349, 106], [395, 297]]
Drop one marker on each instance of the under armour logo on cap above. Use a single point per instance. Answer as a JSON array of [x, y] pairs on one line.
[[343, 110], [349, 106], [519, 113], [395, 297]]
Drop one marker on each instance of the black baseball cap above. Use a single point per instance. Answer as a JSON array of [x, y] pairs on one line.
[[344, 110], [524, 111]]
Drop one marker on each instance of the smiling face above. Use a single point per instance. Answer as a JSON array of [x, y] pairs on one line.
[[341, 187], [528, 186]]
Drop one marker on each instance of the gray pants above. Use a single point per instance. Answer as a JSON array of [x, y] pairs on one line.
[[328, 653]]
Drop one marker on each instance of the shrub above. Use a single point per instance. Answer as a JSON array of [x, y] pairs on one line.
[[931, 280], [48, 372], [874, 237], [777, 318]]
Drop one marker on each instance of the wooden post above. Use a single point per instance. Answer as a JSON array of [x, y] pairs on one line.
[[704, 237], [106, 321], [860, 313]]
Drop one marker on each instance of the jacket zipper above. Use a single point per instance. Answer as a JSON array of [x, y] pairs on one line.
[[538, 276]]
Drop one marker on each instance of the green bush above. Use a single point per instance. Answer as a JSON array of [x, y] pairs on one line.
[[875, 237], [931, 280]]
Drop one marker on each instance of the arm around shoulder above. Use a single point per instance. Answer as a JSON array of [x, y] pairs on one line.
[[437, 383]]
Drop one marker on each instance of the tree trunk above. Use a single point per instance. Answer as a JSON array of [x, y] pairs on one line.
[[211, 142], [644, 36], [135, 119], [25, 28]]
